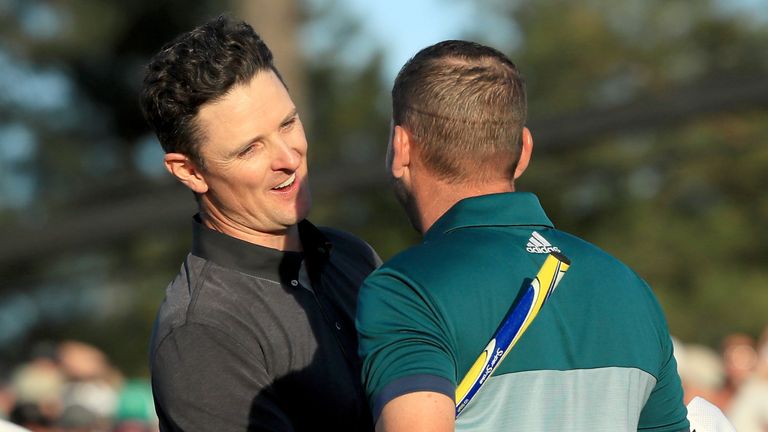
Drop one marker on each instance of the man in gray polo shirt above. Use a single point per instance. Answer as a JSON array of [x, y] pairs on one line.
[[257, 330]]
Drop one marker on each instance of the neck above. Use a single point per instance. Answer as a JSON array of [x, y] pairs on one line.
[[434, 197], [284, 240]]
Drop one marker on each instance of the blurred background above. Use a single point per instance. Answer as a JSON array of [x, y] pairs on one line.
[[649, 117]]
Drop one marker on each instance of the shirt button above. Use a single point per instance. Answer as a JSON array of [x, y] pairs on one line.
[[294, 283], [338, 326]]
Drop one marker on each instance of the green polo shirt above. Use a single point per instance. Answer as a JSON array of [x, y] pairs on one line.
[[598, 356]]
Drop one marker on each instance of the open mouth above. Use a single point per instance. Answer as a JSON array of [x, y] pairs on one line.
[[289, 182]]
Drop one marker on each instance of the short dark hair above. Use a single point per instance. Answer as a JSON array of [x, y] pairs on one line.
[[465, 105], [198, 67]]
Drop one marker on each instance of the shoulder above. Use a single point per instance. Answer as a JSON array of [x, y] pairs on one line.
[[444, 262], [207, 299], [592, 261], [411, 276], [608, 283], [429, 255]]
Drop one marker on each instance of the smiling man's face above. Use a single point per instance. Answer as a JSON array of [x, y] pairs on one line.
[[255, 155]]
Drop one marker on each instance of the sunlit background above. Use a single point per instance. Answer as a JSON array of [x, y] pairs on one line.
[[649, 117]]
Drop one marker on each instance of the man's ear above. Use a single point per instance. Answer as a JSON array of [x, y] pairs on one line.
[[401, 151], [525, 152], [186, 172]]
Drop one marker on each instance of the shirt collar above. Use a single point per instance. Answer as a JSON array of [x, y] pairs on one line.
[[502, 209], [261, 261]]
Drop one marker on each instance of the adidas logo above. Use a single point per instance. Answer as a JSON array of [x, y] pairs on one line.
[[538, 244]]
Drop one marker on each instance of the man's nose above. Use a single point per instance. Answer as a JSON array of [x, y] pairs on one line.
[[285, 156]]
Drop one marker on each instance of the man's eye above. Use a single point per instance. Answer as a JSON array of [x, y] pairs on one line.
[[246, 151], [289, 123]]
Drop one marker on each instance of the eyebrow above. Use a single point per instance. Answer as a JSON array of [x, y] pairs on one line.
[[294, 112]]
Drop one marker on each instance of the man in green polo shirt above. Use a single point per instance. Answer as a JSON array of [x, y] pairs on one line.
[[597, 358]]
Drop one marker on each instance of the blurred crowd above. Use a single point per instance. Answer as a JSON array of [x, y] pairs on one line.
[[72, 387], [735, 377]]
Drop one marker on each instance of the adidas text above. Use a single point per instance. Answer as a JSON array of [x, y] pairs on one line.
[[538, 244]]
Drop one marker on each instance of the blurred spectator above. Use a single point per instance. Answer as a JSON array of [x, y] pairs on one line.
[[89, 396], [739, 360], [748, 410], [72, 387], [701, 371], [82, 362], [37, 385], [736, 380]]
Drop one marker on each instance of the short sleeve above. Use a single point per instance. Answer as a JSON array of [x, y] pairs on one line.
[[665, 410], [403, 340], [203, 380]]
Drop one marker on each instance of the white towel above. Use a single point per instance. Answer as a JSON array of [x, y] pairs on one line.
[[706, 417]]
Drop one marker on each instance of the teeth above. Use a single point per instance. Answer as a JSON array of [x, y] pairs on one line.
[[286, 183]]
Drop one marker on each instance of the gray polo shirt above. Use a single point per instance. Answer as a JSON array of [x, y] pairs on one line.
[[243, 342]]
